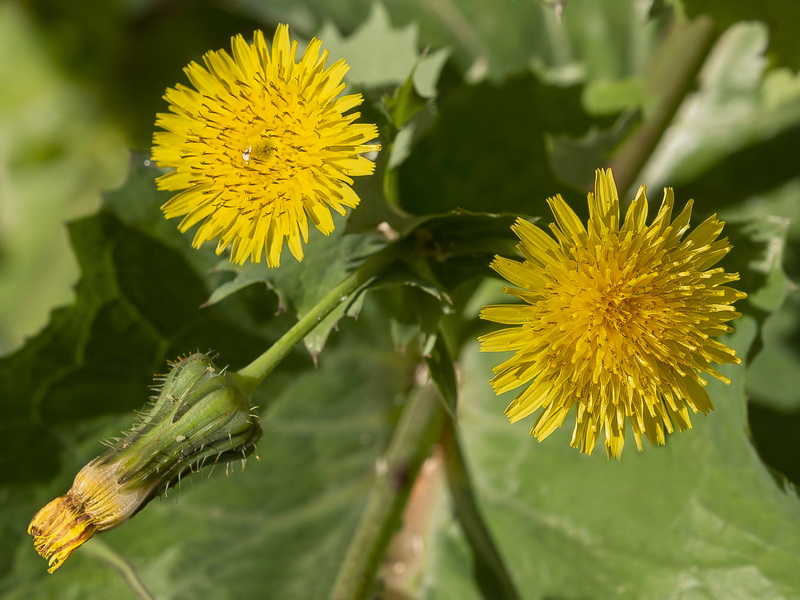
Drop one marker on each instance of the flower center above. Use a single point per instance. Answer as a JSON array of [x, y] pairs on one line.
[[260, 151], [605, 311], [277, 153], [613, 307]]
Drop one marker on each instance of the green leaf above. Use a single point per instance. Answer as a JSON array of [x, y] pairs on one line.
[[405, 104], [137, 203], [773, 392], [611, 96], [772, 377], [489, 147], [427, 70], [378, 54], [442, 372], [761, 242], [419, 88], [598, 38], [738, 125], [300, 285], [575, 160], [503, 34], [413, 305], [376, 212], [457, 247], [137, 305]]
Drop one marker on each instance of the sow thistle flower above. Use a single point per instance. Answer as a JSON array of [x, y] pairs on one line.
[[617, 320], [261, 146], [200, 416]]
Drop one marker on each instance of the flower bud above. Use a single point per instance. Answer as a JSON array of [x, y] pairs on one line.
[[201, 416]]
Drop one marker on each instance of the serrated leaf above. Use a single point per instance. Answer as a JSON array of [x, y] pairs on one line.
[[404, 105], [378, 54], [495, 32], [427, 70], [598, 38]]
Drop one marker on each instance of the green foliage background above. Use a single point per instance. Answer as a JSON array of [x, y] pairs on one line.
[[486, 108]]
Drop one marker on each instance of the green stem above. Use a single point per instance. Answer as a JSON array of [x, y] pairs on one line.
[[671, 78], [490, 571], [254, 373], [104, 552], [411, 444]]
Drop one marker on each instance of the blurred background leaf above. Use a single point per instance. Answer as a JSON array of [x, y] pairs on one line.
[[783, 47], [57, 149], [739, 111]]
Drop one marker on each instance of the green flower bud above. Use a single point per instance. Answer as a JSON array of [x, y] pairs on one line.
[[201, 416]]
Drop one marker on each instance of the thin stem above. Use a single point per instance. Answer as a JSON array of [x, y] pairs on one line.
[[107, 554], [411, 444], [490, 571], [254, 373], [683, 56]]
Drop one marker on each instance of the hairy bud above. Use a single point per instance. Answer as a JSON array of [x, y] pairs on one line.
[[201, 416]]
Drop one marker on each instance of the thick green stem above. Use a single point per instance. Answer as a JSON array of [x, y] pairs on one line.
[[254, 373], [491, 574], [672, 78], [104, 552], [419, 426]]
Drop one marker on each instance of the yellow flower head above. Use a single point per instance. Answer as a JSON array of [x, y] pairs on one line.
[[261, 146], [618, 320]]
